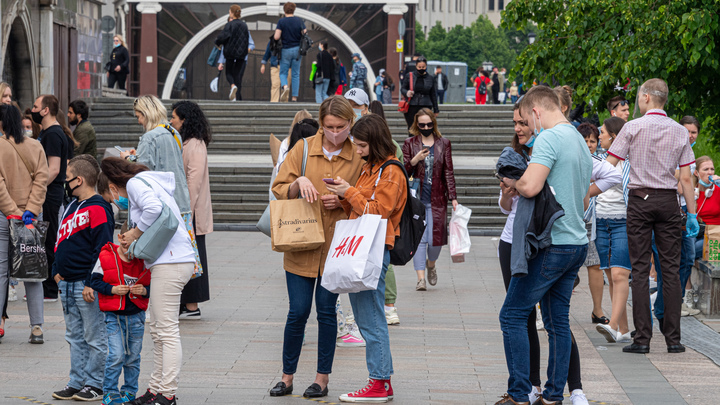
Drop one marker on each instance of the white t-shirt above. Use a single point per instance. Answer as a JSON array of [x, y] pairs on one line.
[[329, 155]]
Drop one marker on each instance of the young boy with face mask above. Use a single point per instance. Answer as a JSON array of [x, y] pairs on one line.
[[87, 225]]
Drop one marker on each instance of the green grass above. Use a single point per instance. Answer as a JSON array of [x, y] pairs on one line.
[[705, 147]]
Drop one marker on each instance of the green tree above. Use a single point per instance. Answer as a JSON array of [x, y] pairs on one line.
[[595, 45]]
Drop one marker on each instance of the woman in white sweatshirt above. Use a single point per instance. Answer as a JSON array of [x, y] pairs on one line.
[[143, 192]]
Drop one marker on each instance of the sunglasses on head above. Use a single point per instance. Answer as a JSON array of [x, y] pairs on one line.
[[622, 103], [424, 125]]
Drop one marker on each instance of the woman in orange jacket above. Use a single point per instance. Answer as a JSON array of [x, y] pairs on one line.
[[381, 192]]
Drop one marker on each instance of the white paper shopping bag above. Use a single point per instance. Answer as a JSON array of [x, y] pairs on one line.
[[355, 259]]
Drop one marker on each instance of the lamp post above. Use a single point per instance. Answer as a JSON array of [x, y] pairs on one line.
[[531, 38]]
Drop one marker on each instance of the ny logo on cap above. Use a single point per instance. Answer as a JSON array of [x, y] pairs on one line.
[[351, 93]]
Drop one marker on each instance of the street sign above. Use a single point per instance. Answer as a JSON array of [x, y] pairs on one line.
[[107, 24], [399, 45], [401, 27]]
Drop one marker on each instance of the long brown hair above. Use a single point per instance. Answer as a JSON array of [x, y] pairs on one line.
[[415, 130], [119, 171], [374, 130], [515, 144]]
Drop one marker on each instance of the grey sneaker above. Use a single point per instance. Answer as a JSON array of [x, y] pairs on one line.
[[36, 335], [431, 274], [421, 285]]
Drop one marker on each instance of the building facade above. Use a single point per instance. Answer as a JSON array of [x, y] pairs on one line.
[[457, 12], [51, 47]]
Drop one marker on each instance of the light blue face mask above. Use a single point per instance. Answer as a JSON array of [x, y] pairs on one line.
[[358, 113], [536, 133], [116, 45], [121, 202], [704, 183], [693, 144]]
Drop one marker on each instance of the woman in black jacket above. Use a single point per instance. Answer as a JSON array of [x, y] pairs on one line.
[[235, 40], [423, 94], [118, 66], [325, 72]]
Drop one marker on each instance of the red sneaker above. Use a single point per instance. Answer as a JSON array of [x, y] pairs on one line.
[[374, 391]]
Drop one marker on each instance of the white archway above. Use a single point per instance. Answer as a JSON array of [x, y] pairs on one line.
[[321, 21]]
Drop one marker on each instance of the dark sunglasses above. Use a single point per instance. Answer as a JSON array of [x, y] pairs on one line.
[[423, 125], [622, 103]]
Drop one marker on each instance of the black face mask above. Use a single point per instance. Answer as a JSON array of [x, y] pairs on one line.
[[421, 71], [36, 117], [69, 190], [426, 131], [365, 158]]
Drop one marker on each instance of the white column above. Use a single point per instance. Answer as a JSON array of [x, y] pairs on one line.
[[46, 54]]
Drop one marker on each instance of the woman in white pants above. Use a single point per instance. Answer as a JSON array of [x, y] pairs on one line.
[[145, 191]]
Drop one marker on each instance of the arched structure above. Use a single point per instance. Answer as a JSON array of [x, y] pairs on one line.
[[19, 52], [319, 20]]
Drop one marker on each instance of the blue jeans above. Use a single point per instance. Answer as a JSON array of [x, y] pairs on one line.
[[300, 293], [549, 281], [125, 337], [426, 250], [291, 60], [612, 243], [321, 91], [85, 333], [369, 309]]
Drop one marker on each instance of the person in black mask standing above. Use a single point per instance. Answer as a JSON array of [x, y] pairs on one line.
[[421, 92], [55, 143]]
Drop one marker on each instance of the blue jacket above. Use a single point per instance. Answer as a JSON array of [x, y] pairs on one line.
[[359, 74], [269, 56]]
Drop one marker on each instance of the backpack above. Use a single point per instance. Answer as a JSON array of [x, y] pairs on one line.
[[412, 224], [482, 87], [305, 44]]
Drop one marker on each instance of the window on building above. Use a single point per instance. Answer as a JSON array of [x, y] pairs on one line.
[[425, 5], [440, 4], [501, 4], [433, 5], [462, 6], [491, 5]]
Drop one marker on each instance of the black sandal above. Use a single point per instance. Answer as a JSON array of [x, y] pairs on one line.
[[601, 320], [314, 391], [280, 390]]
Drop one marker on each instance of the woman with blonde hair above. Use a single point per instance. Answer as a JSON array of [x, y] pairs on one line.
[[117, 68], [331, 153], [5, 93]]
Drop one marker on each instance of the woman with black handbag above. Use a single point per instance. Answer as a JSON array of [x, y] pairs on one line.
[[24, 172], [117, 68], [422, 92]]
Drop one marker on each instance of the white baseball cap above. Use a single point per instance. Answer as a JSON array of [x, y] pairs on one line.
[[358, 96]]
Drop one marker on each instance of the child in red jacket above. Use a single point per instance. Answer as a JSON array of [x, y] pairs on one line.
[[123, 289]]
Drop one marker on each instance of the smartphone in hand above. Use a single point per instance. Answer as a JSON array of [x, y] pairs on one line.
[[329, 181]]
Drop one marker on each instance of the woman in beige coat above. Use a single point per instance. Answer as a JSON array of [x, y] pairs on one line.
[[22, 193], [330, 154], [190, 121]]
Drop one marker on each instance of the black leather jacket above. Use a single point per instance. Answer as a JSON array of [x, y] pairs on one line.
[[424, 88]]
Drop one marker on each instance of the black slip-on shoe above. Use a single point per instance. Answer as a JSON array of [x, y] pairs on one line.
[[636, 348], [280, 390], [676, 348], [314, 391]]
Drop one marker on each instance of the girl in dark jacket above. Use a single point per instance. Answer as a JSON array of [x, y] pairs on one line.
[[423, 94], [428, 158], [235, 40], [118, 66]]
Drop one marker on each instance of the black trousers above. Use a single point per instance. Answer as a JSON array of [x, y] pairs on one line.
[[51, 210], [198, 289], [117, 77], [495, 94], [574, 378], [234, 70]]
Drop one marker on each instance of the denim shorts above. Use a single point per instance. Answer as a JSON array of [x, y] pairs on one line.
[[612, 243]]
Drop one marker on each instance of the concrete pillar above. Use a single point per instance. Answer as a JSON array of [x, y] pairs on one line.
[[46, 59], [395, 13], [148, 48]]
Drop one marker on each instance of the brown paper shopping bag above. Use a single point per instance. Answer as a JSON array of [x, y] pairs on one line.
[[711, 245], [296, 225]]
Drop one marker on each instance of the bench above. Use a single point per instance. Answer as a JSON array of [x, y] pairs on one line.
[[706, 281]]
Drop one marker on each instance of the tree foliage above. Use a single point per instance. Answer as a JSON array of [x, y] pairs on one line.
[[594, 45], [480, 42]]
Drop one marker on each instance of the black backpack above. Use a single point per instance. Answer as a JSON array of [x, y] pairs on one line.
[[412, 225], [305, 44], [482, 87]]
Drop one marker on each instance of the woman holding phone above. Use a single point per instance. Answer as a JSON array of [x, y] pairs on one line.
[[330, 154], [380, 192], [428, 158]]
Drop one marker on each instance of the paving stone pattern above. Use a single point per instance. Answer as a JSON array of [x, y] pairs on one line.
[[447, 350]]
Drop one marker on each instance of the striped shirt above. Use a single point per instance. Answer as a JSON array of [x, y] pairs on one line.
[[656, 145]]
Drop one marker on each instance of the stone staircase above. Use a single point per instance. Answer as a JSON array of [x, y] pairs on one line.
[[240, 174]]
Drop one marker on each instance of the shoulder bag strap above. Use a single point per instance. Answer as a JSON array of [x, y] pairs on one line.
[[173, 133], [27, 164]]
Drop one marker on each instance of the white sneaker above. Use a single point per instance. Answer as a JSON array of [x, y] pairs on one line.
[[12, 295], [687, 310], [391, 316], [653, 297], [233, 92], [611, 335], [534, 394], [577, 397], [626, 338], [539, 325]]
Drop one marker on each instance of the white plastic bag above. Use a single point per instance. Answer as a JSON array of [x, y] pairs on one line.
[[355, 258], [459, 238]]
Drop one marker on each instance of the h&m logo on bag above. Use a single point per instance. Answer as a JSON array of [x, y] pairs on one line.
[[347, 246], [31, 248], [296, 222]]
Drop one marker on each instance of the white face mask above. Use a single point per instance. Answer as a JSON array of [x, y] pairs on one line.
[[28, 133]]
